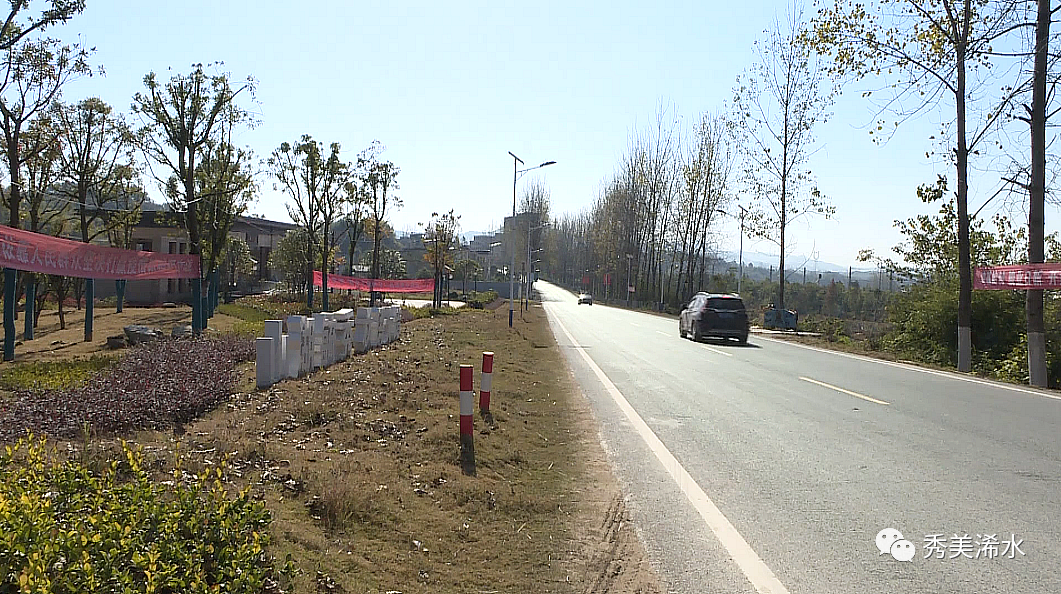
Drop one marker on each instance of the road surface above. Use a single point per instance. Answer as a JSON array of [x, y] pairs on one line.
[[774, 467]]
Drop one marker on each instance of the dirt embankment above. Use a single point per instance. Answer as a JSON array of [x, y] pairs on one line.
[[359, 466]]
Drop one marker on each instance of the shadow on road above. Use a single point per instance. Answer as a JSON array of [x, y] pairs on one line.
[[729, 343]]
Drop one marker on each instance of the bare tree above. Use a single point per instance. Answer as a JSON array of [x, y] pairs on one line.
[[1029, 176], [779, 101], [379, 180], [940, 48], [440, 236], [96, 153], [706, 170]]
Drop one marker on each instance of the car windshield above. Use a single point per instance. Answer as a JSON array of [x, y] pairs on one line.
[[726, 304]]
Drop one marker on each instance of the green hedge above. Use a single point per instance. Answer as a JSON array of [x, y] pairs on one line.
[[66, 529], [481, 300]]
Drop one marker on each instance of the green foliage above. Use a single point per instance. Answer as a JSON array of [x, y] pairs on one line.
[[53, 375], [430, 312], [237, 256], [481, 299], [925, 319], [195, 114], [246, 313], [391, 263], [251, 319], [831, 329], [290, 258], [64, 528]]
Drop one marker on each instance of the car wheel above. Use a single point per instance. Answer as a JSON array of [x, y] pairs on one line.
[[681, 331], [696, 332], [743, 339]]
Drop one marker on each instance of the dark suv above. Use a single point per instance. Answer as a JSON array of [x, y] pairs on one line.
[[710, 314]]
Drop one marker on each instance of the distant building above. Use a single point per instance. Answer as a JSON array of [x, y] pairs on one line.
[[161, 231]]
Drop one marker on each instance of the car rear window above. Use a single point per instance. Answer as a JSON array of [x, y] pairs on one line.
[[725, 303]]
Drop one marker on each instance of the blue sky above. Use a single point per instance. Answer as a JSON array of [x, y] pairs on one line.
[[449, 88]]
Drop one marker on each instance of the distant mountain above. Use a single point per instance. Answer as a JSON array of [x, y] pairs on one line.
[[792, 262]]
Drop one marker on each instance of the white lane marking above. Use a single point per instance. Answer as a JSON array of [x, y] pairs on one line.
[[663, 333], [848, 392], [758, 573], [943, 374], [717, 351], [635, 325]]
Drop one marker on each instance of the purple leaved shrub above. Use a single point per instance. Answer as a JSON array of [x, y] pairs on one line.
[[153, 386]]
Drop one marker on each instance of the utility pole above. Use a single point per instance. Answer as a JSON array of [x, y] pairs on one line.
[[629, 282], [516, 162], [740, 256]]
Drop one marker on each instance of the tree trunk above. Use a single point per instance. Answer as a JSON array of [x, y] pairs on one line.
[[375, 259], [965, 286], [324, 269], [1037, 199]]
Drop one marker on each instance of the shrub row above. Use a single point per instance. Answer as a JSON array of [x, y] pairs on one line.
[[481, 299], [66, 529]]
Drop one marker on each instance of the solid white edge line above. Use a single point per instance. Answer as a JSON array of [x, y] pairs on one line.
[[908, 367], [760, 576]]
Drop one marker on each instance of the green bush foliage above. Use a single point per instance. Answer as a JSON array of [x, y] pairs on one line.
[[481, 299], [243, 312], [53, 375], [66, 529], [430, 312]]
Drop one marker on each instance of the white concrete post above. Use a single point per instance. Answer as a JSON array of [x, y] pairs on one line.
[[274, 329], [263, 361]]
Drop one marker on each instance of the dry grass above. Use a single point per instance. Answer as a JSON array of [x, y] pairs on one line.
[[359, 465]]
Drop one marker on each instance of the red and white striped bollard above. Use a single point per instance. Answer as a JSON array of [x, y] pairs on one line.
[[467, 399], [485, 383]]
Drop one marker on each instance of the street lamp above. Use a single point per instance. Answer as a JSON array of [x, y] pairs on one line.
[[740, 257], [629, 259], [516, 172], [527, 280]]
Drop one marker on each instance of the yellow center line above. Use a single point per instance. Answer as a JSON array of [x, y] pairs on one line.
[[717, 351], [849, 392]]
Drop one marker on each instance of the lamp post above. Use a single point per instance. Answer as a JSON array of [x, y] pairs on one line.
[[629, 259], [516, 172], [527, 279], [740, 256]]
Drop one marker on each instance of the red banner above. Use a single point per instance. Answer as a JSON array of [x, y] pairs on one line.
[[33, 252], [1018, 276], [338, 281]]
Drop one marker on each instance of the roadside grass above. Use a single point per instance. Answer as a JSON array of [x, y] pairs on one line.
[[53, 375], [250, 320], [419, 313], [358, 464]]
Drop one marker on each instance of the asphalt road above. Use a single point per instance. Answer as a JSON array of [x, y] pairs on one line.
[[773, 467]]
